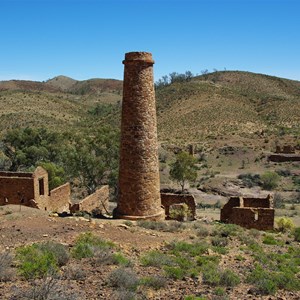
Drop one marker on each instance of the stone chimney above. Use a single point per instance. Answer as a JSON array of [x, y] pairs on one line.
[[139, 186]]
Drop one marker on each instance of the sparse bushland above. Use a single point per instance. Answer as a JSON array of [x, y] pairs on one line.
[[273, 271], [91, 157]]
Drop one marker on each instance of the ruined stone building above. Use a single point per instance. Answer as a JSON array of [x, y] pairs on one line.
[[285, 153], [32, 189], [170, 200], [249, 212]]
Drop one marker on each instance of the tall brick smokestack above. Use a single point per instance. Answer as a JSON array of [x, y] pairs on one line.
[[139, 187]]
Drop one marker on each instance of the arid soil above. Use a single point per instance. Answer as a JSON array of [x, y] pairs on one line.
[[24, 226]]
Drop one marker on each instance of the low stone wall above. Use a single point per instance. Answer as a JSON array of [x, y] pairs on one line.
[[97, 201], [60, 198], [284, 157], [168, 199]]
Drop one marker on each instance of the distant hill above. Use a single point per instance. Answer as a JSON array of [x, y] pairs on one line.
[[226, 103], [59, 103], [211, 105], [63, 83]]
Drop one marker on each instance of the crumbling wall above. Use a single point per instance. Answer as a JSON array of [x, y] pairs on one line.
[[258, 202], [97, 201], [16, 188], [60, 198], [168, 199], [226, 211], [41, 188], [249, 212], [258, 218]]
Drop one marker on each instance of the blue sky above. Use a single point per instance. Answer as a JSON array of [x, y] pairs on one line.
[[85, 39]]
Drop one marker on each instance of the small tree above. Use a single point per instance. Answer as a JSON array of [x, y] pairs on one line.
[[184, 169], [269, 180]]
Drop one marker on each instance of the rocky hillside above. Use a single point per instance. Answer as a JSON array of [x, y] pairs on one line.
[[228, 103], [220, 103]]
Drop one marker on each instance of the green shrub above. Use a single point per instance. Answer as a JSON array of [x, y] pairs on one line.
[[269, 240], [170, 226], [156, 282], [204, 260], [87, 245], [219, 241], [174, 272], [263, 281], [58, 250], [278, 201], [123, 278], [34, 262], [250, 180], [202, 231], [181, 213], [211, 274], [285, 224], [229, 278], [220, 249], [191, 249], [191, 297], [159, 226], [296, 234], [269, 180], [120, 259], [219, 291], [156, 259], [226, 230]]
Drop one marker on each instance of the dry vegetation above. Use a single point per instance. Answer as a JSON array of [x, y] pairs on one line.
[[99, 259], [234, 120]]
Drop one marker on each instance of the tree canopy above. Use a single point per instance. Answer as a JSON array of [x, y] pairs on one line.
[[183, 169]]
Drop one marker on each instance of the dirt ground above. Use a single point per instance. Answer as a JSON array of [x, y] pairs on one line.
[[22, 226]]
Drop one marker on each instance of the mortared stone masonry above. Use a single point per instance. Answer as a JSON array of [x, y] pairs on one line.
[[139, 186]]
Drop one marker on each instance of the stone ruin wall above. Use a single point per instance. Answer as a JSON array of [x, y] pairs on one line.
[[15, 188], [32, 189], [98, 200], [249, 212], [257, 218], [41, 188], [284, 157], [168, 199], [60, 198], [285, 153]]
